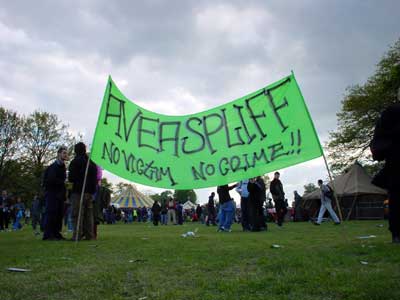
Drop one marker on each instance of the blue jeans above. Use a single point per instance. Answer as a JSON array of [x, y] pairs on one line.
[[226, 212], [164, 220]]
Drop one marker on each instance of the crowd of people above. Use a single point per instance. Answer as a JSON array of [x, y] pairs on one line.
[[82, 209], [79, 212]]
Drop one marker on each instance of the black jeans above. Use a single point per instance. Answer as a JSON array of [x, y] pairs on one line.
[[244, 206], [4, 219]]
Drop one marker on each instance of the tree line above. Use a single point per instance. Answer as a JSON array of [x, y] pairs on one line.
[[28, 144]]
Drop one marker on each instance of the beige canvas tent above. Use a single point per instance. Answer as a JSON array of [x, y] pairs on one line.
[[132, 198], [189, 205], [358, 197]]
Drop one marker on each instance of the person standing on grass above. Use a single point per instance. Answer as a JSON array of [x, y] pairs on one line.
[[171, 205], [164, 212], [278, 195], [227, 208], [156, 210], [242, 189], [211, 210], [55, 196], [199, 212], [326, 204], [19, 209], [76, 176], [4, 210], [257, 198], [36, 210], [385, 145]]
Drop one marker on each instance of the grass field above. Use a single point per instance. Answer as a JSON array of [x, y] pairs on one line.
[[139, 261]]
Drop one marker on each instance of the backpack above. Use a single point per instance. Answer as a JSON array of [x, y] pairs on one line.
[[329, 193]]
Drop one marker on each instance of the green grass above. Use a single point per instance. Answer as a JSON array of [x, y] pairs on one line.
[[314, 263]]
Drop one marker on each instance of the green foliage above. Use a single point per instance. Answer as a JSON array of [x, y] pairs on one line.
[[162, 197], [10, 133], [43, 135], [184, 195], [361, 107], [120, 187], [309, 188]]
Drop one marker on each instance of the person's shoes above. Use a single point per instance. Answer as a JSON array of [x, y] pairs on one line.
[[336, 223], [316, 223], [396, 240], [221, 229]]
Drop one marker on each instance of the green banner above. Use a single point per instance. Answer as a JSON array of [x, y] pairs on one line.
[[259, 133]]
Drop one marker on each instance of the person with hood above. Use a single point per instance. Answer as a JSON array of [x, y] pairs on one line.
[[257, 198], [55, 196], [385, 145], [76, 176]]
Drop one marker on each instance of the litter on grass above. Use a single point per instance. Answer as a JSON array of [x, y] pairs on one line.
[[190, 233], [364, 262], [276, 246], [366, 237], [137, 260], [18, 270]]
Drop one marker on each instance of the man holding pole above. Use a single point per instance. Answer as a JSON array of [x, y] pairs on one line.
[[83, 175]]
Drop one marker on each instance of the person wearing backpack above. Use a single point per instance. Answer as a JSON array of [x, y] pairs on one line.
[[326, 196]]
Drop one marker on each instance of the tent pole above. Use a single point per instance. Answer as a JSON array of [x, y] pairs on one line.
[[333, 187]]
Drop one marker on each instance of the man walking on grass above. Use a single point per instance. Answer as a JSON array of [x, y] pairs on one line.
[[326, 204]]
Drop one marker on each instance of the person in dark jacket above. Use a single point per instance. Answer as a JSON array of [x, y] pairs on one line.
[[199, 212], [4, 211], [211, 210], [156, 210], [36, 210], [257, 198], [278, 195], [76, 176], [385, 145], [227, 207], [55, 196]]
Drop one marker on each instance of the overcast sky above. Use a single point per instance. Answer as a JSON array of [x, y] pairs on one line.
[[181, 57]]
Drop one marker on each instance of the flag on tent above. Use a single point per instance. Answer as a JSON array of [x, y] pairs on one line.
[[267, 130]]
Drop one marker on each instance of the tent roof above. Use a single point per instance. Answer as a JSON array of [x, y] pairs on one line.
[[132, 198], [355, 181], [188, 205]]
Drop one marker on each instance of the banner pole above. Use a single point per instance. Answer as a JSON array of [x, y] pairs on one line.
[[333, 187], [81, 200]]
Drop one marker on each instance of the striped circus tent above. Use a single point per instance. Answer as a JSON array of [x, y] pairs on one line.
[[132, 198]]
